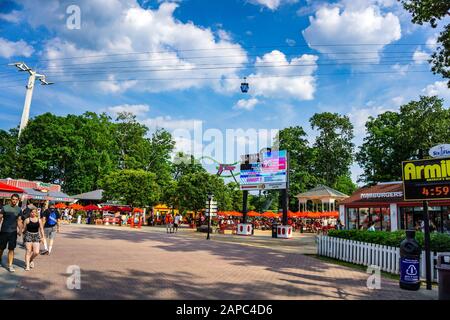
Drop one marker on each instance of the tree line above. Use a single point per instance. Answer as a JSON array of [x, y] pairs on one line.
[[92, 151]]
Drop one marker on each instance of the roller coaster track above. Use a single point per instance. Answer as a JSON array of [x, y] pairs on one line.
[[221, 165]]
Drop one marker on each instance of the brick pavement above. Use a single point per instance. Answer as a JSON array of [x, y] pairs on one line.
[[150, 264]]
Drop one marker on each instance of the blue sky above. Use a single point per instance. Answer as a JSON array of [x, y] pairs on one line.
[[357, 58]]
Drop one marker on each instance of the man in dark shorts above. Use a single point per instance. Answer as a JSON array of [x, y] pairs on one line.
[[10, 218], [51, 219]]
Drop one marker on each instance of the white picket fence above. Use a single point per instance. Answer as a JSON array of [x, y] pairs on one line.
[[363, 253]]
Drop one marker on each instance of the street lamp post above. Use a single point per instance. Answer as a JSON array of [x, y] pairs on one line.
[[29, 93], [209, 213]]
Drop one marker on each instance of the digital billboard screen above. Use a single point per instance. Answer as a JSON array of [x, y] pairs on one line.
[[426, 179], [265, 170]]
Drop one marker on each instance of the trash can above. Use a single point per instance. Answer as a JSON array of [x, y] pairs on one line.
[[443, 266], [274, 230], [410, 262]]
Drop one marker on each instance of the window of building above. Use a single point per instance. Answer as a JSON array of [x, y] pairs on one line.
[[375, 218], [364, 218], [352, 218], [386, 219]]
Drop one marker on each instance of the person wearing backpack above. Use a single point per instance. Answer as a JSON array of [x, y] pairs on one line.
[[50, 220]]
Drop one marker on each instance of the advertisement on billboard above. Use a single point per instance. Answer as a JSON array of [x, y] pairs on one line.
[[426, 179], [264, 171]]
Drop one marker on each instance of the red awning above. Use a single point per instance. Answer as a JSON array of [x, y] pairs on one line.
[[8, 188]]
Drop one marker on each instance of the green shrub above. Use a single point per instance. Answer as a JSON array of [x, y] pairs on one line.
[[439, 242]]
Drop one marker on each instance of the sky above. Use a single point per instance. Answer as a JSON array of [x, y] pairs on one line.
[[178, 65]]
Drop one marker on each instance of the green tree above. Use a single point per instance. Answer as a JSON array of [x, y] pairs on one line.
[[74, 151], [193, 189], [184, 164], [333, 146], [393, 137], [345, 185], [236, 196], [137, 188], [8, 156], [134, 148], [430, 11]]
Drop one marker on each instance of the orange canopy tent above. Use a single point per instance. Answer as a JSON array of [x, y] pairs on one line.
[[313, 215], [60, 206], [292, 214], [230, 213], [331, 214], [76, 206], [301, 214], [253, 214], [270, 214], [138, 210]]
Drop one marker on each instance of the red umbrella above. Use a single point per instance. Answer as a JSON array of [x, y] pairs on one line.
[[138, 210], [60, 206], [125, 209], [91, 207]]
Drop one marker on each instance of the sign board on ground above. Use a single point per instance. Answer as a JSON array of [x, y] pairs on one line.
[[264, 171], [426, 179]]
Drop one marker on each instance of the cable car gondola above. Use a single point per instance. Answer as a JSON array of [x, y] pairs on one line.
[[244, 86]]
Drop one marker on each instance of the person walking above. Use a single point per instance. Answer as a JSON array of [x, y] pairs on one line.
[[169, 223], [33, 232], [26, 214], [11, 221], [51, 221], [177, 222]]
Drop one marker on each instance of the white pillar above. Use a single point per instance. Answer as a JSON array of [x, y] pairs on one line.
[[342, 215], [26, 106], [394, 216]]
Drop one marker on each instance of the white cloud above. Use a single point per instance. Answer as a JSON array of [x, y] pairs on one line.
[[10, 49], [136, 109], [248, 104], [12, 17], [359, 117], [277, 77], [398, 101], [272, 4], [291, 42], [440, 89], [356, 24], [122, 27], [401, 69], [420, 56], [169, 123], [432, 42]]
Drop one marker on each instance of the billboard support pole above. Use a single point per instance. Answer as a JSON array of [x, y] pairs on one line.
[[285, 193], [426, 222], [244, 206], [284, 203]]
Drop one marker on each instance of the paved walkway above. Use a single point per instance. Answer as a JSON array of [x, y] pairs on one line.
[[151, 264]]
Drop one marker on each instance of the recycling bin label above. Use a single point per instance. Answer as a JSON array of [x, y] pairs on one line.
[[409, 270]]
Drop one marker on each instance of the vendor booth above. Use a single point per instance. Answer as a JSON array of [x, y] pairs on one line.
[[383, 205]]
